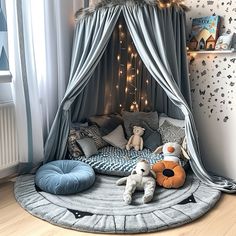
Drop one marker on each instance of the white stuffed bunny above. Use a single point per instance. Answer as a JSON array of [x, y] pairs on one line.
[[141, 178]]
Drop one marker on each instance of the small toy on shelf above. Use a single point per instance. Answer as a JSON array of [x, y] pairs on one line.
[[224, 42]]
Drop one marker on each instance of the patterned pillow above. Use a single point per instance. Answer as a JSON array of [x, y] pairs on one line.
[[136, 118], [175, 122], [72, 145], [171, 133], [94, 133]]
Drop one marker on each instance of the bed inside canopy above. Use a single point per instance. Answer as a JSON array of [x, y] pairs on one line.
[[146, 68]]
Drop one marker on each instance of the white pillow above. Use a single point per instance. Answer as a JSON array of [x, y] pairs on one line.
[[116, 138], [175, 122]]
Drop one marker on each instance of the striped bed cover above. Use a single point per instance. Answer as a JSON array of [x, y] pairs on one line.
[[115, 161]]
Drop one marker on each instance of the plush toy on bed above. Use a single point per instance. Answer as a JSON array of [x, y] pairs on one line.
[[136, 141], [141, 178], [172, 151], [169, 172]]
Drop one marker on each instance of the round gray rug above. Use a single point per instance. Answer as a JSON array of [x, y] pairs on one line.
[[101, 208]]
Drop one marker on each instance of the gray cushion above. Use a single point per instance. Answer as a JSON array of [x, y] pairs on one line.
[[64, 177], [116, 138], [151, 138], [136, 118], [94, 133], [171, 133], [106, 123], [88, 146], [78, 125], [153, 141]]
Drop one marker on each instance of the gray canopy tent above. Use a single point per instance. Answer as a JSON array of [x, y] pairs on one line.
[[150, 28]]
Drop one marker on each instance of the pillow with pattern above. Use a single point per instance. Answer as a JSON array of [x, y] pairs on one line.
[[94, 133], [136, 118], [175, 122], [171, 133], [72, 145]]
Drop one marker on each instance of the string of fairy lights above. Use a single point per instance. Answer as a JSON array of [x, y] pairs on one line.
[[130, 70], [169, 3]]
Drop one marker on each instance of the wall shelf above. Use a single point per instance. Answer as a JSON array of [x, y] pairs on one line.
[[212, 52]]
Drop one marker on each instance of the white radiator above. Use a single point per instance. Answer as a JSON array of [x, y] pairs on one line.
[[8, 140]]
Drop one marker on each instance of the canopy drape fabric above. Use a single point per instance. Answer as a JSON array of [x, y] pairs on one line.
[[53, 39], [149, 31], [94, 34], [108, 86], [145, 29]]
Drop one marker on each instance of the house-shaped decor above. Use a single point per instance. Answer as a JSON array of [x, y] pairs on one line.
[[210, 43], [202, 44], [193, 43], [205, 31]]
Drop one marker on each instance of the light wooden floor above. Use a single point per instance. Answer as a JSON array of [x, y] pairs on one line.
[[14, 221]]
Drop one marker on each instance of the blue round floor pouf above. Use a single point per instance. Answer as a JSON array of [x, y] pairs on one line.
[[64, 177]]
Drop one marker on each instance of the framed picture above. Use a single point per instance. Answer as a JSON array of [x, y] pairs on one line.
[[205, 32]]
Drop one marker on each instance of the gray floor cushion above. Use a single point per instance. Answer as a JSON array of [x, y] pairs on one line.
[[64, 177]]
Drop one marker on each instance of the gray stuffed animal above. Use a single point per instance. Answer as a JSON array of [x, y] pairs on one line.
[[141, 178]]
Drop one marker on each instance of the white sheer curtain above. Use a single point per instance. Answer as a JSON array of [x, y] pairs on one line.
[[54, 61], [25, 93], [40, 42]]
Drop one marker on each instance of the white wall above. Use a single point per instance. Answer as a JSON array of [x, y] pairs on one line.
[[213, 86]]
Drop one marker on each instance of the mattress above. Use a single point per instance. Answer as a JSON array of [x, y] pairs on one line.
[[115, 161]]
